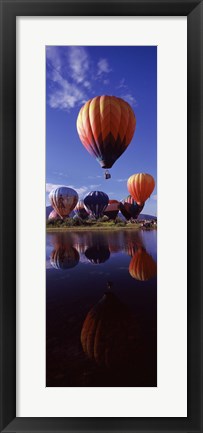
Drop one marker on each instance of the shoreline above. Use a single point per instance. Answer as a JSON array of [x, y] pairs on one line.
[[84, 229]]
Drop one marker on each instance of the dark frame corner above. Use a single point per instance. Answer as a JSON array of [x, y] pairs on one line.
[[9, 9]]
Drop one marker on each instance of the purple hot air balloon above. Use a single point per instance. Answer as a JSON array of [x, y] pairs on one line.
[[96, 202]]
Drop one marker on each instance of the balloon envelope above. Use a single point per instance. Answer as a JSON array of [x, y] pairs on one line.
[[80, 210], [106, 125], [63, 200], [96, 202], [53, 216], [142, 266], [140, 187], [64, 258], [97, 254], [112, 209], [109, 333], [132, 208]]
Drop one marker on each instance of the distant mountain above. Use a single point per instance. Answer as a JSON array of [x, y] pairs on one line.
[[48, 210], [143, 216]]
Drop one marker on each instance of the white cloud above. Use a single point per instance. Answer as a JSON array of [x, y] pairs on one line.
[[53, 56], [122, 180], [71, 74], [81, 191], [94, 177], [50, 186], [67, 95], [79, 64], [95, 186], [129, 98], [122, 84], [87, 84], [103, 67], [154, 197]]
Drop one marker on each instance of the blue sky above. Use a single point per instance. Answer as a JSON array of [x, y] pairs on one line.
[[76, 74]]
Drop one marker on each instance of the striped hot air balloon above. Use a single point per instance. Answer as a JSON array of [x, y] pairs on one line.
[[96, 202], [80, 210], [53, 216], [142, 266], [109, 334], [64, 258], [106, 125], [63, 200], [132, 208], [141, 186]]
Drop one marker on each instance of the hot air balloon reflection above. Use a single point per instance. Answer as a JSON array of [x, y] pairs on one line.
[[140, 187], [108, 334], [64, 257], [133, 242], [112, 209], [63, 200], [96, 202], [106, 125], [142, 266], [97, 254]]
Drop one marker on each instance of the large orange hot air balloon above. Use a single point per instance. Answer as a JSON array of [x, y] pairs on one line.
[[106, 125], [140, 186]]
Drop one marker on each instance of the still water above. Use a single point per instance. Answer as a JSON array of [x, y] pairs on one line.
[[101, 309]]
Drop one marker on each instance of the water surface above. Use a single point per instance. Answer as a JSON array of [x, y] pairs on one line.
[[101, 308]]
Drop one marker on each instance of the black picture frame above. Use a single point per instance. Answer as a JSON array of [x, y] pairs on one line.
[[193, 9]]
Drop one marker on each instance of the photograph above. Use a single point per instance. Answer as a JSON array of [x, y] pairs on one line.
[[101, 216]]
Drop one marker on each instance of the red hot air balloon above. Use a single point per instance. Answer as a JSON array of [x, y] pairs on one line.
[[63, 200], [130, 209], [106, 125], [140, 187], [112, 209]]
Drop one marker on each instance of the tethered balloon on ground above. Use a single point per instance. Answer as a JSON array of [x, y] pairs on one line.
[[63, 199], [96, 202]]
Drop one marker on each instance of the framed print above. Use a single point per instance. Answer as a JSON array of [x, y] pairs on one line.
[[101, 238]]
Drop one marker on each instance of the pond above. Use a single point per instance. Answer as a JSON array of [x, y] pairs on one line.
[[101, 308]]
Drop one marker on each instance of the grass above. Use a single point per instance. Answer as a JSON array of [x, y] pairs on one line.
[[84, 225]]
